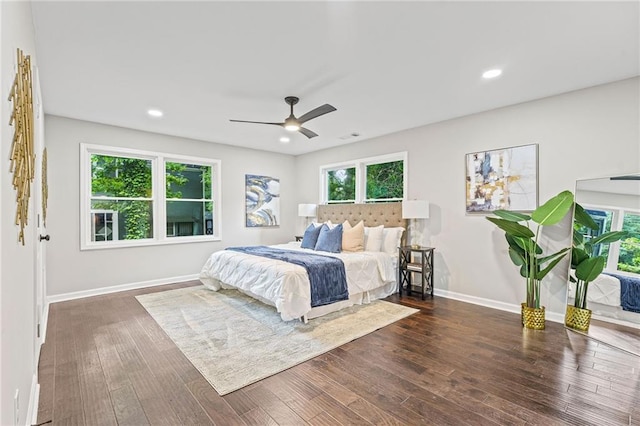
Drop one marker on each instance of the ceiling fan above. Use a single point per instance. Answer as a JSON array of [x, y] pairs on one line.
[[294, 124]]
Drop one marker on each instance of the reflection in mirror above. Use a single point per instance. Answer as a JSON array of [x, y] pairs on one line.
[[614, 296]]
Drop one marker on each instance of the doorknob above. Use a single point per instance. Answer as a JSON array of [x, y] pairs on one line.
[[45, 237]]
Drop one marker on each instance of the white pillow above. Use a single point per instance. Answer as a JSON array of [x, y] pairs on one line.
[[328, 223], [352, 237], [331, 225], [391, 240], [373, 238]]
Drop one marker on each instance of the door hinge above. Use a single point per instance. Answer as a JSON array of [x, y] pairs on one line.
[[38, 330]]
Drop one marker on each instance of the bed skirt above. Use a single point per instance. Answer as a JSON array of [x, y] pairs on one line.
[[354, 299]]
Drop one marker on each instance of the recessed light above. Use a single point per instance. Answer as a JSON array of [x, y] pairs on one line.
[[492, 73], [284, 139], [155, 113]]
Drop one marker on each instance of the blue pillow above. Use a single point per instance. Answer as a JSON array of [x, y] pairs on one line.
[[330, 239], [310, 237]]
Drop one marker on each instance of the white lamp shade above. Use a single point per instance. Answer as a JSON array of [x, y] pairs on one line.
[[307, 210], [415, 209]]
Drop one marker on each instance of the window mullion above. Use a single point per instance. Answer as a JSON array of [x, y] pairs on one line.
[[324, 186], [121, 198], [160, 203], [614, 248], [360, 181], [405, 175], [216, 197]]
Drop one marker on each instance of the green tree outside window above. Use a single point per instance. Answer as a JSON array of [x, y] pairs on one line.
[[385, 181], [342, 184], [127, 185]]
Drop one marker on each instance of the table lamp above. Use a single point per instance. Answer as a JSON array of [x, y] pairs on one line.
[[307, 210], [415, 210]]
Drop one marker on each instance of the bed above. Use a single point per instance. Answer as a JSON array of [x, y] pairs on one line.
[[605, 298], [370, 275]]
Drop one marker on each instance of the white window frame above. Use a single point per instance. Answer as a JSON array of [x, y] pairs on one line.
[[361, 177], [617, 219], [215, 186], [158, 196]]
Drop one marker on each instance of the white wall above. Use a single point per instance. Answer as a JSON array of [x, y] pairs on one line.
[[70, 270], [17, 261], [582, 134]]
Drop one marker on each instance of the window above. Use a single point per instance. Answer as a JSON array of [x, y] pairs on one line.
[[189, 206], [623, 255], [368, 180], [342, 185], [385, 181], [602, 218], [132, 197], [122, 187], [629, 257]]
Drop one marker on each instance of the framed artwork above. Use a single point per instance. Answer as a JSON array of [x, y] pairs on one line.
[[262, 201], [504, 178]]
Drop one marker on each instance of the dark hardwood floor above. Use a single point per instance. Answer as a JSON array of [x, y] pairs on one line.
[[106, 361]]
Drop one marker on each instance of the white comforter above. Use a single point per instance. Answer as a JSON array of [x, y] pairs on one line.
[[286, 285], [605, 290]]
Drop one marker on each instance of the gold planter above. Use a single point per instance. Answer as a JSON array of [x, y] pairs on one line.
[[577, 318], [532, 318]]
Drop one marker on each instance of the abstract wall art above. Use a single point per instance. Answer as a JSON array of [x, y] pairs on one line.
[[504, 178], [262, 200]]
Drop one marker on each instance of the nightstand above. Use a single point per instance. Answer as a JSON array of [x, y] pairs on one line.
[[419, 260], [298, 238]]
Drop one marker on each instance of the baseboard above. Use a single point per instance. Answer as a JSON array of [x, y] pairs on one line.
[[615, 321], [555, 317], [34, 396], [124, 287], [44, 321], [502, 306]]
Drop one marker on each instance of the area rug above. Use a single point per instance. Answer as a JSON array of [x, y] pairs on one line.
[[234, 340]]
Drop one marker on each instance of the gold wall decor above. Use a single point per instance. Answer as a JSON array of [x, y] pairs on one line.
[[45, 187], [22, 156]]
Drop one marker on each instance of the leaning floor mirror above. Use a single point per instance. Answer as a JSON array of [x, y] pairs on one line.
[[612, 300]]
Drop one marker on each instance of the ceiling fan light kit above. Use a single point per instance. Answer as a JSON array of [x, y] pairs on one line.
[[294, 124]]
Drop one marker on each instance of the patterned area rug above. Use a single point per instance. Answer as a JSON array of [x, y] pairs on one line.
[[234, 340]]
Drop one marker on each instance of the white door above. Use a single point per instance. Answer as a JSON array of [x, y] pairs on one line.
[[40, 199]]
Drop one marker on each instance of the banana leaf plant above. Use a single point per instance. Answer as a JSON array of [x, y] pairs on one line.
[[586, 266], [524, 248]]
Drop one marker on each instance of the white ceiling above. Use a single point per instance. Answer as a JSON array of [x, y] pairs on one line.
[[385, 66]]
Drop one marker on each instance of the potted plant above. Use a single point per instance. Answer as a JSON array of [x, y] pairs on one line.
[[585, 266], [526, 252]]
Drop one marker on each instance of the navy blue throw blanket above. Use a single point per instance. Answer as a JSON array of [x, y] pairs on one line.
[[629, 292], [326, 274]]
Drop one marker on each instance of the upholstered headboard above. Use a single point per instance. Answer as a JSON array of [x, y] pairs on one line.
[[387, 214]]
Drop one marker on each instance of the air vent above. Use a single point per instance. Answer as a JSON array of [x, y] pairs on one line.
[[350, 136]]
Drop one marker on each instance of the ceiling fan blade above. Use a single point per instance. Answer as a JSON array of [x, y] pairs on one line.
[[308, 133], [257, 122], [321, 110]]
